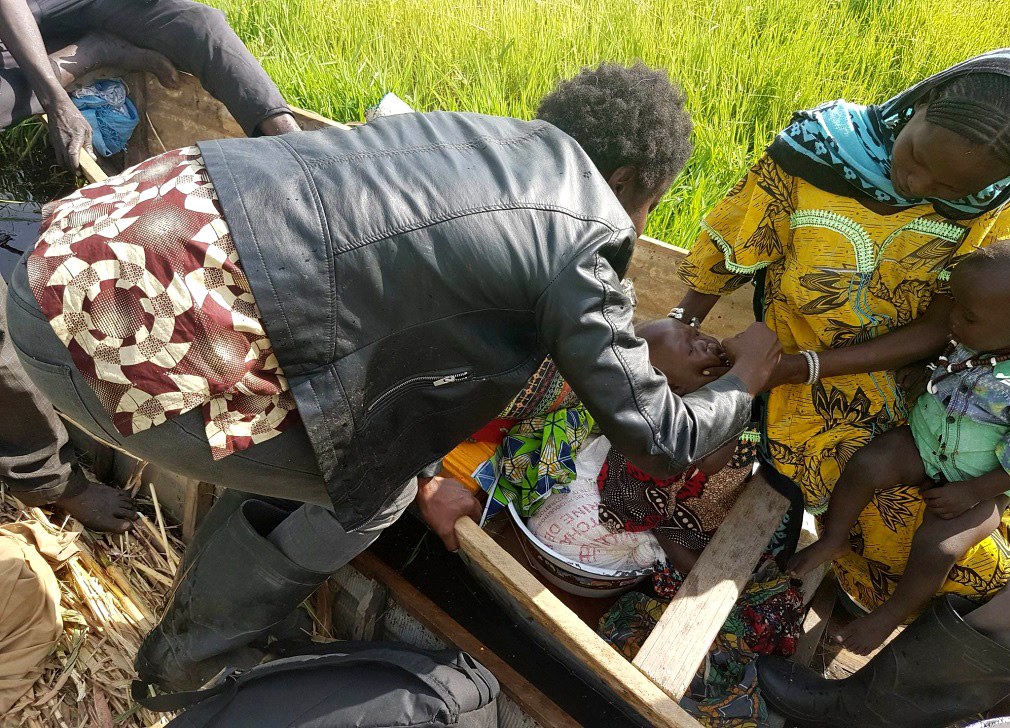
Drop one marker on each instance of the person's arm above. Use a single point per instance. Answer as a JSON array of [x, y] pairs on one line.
[[697, 305], [68, 130], [923, 338], [584, 319], [952, 499]]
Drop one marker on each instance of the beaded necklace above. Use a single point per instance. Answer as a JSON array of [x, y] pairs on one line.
[[985, 359]]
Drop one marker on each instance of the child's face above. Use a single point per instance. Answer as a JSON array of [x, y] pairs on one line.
[[979, 318], [683, 354]]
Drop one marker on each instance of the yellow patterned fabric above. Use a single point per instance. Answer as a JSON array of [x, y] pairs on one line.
[[836, 274]]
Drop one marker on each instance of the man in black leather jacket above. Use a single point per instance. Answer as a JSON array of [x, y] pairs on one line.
[[412, 274]]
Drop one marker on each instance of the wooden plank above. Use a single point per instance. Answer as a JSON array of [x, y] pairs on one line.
[[658, 288], [90, 168], [816, 620], [672, 653], [310, 120], [637, 690], [173, 118], [425, 611], [198, 500], [814, 625]]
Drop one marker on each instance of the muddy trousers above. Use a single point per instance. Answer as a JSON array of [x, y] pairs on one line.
[[194, 37]]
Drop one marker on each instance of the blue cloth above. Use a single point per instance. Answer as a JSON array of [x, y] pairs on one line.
[[840, 145], [109, 111]]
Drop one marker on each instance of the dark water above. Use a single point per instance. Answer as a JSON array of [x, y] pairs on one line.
[[28, 169], [446, 581]]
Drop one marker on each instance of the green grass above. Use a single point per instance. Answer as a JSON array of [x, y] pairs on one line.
[[745, 65], [28, 169]]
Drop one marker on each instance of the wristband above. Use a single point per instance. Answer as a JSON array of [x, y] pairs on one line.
[[813, 365]]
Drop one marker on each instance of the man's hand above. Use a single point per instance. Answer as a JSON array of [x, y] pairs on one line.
[[442, 502], [69, 133], [949, 501], [754, 353]]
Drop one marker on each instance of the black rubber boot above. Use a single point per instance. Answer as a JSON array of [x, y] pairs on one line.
[[215, 519], [937, 671], [232, 591]]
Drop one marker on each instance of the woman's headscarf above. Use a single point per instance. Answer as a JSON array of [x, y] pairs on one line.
[[845, 148]]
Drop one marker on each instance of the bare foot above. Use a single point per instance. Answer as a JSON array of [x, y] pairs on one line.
[[820, 551], [867, 633], [108, 52], [101, 508]]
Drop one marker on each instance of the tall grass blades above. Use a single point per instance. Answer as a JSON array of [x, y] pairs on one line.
[[744, 64]]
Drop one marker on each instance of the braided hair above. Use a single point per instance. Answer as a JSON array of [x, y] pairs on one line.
[[975, 106], [624, 116]]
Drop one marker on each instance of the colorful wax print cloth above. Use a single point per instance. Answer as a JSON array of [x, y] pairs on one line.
[[535, 459], [687, 509], [140, 279], [546, 391], [766, 620], [834, 273]]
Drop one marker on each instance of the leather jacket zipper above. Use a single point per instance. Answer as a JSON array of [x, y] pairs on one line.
[[428, 380]]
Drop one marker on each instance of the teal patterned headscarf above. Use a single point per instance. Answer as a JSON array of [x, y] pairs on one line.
[[845, 148]]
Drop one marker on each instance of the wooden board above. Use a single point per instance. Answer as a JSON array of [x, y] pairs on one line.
[[816, 621], [518, 688], [653, 270], [633, 687], [676, 647], [173, 118]]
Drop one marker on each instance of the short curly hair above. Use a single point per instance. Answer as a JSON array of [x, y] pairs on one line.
[[624, 116]]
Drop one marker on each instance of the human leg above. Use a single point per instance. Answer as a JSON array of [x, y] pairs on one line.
[[938, 544], [889, 460], [37, 460], [197, 39], [253, 570]]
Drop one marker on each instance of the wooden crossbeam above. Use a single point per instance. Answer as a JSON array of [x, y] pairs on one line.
[[637, 690], [676, 647]]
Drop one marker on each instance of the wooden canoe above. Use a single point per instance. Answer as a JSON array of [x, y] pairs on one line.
[[649, 688]]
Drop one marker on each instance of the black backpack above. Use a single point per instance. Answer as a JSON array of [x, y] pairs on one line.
[[345, 684]]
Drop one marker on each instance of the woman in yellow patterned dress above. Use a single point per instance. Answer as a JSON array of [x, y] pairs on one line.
[[849, 224]]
